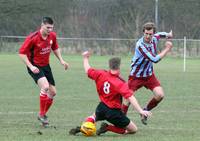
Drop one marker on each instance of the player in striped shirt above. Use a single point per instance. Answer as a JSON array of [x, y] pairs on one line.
[[142, 73]]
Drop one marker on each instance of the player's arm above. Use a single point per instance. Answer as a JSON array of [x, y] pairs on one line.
[[129, 96], [86, 64], [58, 55], [91, 72], [22, 54], [168, 46], [133, 101], [167, 35], [155, 58], [148, 54], [24, 58]]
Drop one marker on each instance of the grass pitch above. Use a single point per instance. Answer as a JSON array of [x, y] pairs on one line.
[[175, 119]]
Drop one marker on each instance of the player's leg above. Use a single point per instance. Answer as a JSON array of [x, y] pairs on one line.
[[156, 99], [50, 97], [125, 106], [134, 84], [116, 117], [127, 127], [154, 85], [77, 129], [91, 118], [109, 127], [51, 93], [131, 128], [43, 84], [44, 88]]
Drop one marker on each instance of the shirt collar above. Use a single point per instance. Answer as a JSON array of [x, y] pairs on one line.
[[40, 35], [117, 74], [145, 42]]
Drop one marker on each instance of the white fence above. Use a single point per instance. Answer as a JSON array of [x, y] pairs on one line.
[[106, 46]]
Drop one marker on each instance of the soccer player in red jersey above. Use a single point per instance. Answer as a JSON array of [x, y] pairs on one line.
[[35, 53], [111, 88], [142, 73]]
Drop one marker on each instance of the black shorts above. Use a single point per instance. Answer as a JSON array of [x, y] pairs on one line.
[[114, 116], [44, 72]]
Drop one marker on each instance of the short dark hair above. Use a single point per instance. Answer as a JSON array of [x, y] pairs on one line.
[[149, 26], [47, 20], [114, 63]]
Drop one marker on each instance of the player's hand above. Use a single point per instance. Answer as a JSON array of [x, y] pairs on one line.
[[168, 45], [170, 35], [86, 54], [66, 65], [146, 113], [34, 69]]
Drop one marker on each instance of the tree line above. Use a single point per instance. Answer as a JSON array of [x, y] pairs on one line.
[[100, 18]]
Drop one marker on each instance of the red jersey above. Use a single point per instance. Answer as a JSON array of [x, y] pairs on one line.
[[110, 87], [37, 49]]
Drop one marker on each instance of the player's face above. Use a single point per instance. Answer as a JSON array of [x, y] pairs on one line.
[[47, 28], [148, 34]]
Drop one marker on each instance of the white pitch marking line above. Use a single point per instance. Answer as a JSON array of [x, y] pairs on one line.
[[16, 113]]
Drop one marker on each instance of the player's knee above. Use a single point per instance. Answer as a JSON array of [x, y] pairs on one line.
[[131, 128], [52, 93], [45, 88], [161, 95], [132, 131], [158, 93]]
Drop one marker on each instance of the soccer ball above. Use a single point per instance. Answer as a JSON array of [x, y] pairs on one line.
[[88, 128]]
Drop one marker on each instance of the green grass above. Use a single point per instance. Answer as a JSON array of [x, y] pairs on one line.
[[175, 119]]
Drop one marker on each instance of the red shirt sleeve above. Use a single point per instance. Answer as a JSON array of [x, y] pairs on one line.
[[125, 91], [25, 46], [93, 73], [55, 43]]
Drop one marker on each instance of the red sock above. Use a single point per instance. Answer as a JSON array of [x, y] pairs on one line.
[[48, 104], [43, 100], [115, 129], [152, 103], [90, 119], [124, 109]]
